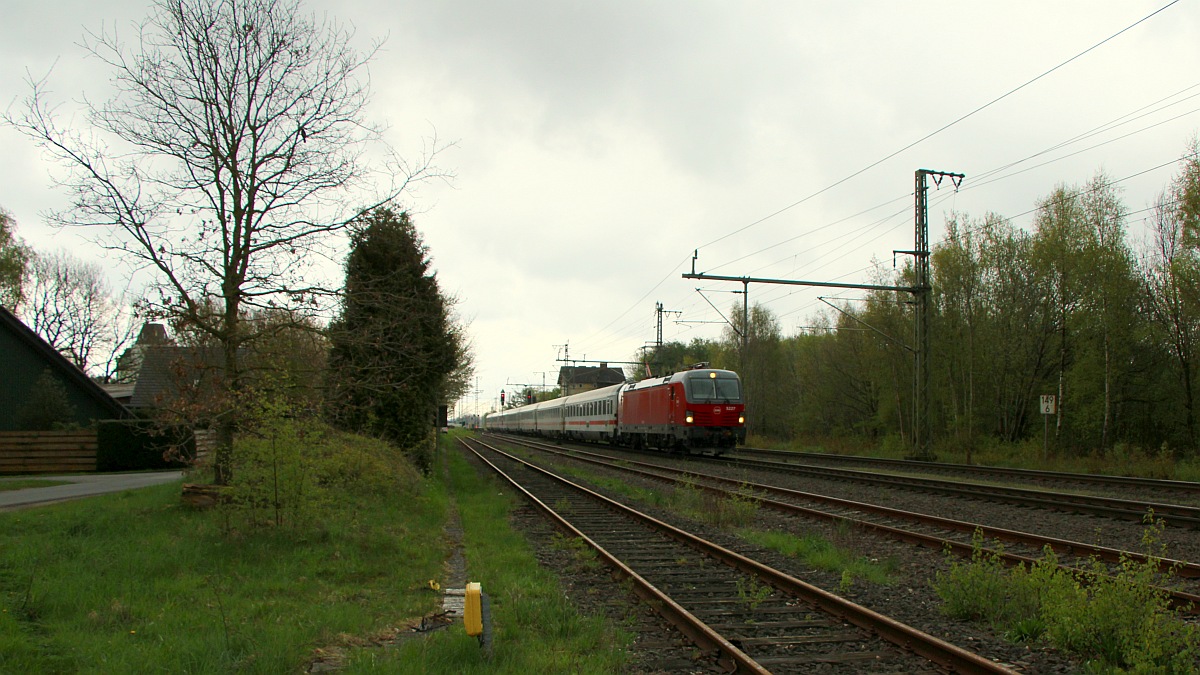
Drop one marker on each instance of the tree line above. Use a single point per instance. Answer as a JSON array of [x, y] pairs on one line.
[[1075, 307]]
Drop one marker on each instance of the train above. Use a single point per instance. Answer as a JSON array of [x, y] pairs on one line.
[[697, 411]]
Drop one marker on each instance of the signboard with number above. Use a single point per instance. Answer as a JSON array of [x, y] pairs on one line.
[[1048, 407]]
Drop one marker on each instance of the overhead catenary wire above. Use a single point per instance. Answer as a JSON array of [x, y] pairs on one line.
[[975, 185], [986, 177], [767, 298], [1125, 119], [982, 178], [943, 127]]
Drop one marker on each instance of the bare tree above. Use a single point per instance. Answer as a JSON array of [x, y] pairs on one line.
[[234, 147], [69, 304]]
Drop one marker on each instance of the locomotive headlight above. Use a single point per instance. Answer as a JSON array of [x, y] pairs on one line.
[[741, 419], [690, 417]]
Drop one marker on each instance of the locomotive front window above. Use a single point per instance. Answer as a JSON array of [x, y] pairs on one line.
[[721, 388]]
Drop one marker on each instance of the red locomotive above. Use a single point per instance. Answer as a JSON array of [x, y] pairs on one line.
[[699, 410]]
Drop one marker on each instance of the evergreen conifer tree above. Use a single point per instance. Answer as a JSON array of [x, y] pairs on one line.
[[394, 345]]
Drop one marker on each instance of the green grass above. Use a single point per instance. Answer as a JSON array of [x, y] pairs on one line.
[[536, 629], [1121, 459], [686, 499], [136, 582], [24, 483], [737, 512], [820, 553]]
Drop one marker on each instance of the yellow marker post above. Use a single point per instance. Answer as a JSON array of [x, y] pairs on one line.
[[473, 609]]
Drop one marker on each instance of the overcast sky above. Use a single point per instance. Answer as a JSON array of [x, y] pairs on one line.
[[598, 144]]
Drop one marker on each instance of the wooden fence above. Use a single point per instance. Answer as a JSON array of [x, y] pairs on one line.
[[47, 451]]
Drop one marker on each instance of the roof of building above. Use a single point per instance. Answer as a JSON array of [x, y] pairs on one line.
[[121, 391], [582, 375], [61, 365], [169, 371]]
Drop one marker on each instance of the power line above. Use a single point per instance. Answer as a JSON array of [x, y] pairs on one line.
[[1077, 152], [1083, 191], [987, 177], [992, 172], [1108, 126], [944, 127], [981, 177]]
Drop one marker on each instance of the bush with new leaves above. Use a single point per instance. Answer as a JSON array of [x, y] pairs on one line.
[[293, 470]]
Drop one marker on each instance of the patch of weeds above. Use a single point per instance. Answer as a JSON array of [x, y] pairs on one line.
[[982, 589], [27, 483], [563, 506], [688, 498], [846, 583], [1115, 623], [740, 508], [844, 535], [751, 592], [617, 486], [585, 557], [736, 510], [1027, 629], [821, 553]]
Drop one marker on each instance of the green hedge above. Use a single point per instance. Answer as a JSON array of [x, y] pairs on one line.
[[130, 445]]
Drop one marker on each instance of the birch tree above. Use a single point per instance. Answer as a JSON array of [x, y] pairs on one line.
[[70, 305]]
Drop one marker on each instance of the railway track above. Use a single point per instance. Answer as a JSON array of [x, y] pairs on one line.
[[914, 528], [1175, 515], [1186, 489], [748, 616]]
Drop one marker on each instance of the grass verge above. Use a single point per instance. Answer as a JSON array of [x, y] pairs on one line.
[[820, 553], [536, 629], [136, 582], [1121, 460], [24, 483], [737, 512]]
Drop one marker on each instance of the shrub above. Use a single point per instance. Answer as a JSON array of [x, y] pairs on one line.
[[1122, 621], [48, 407], [292, 470], [134, 445], [982, 589]]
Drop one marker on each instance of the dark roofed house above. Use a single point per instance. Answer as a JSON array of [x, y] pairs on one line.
[[171, 375], [121, 391], [162, 374], [130, 363], [28, 362], [578, 379]]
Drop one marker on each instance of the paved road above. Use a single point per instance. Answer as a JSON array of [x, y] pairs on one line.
[[80, 486]]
